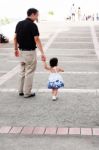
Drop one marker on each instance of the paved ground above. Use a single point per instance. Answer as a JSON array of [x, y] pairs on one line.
[[48, 143], [76, 46]]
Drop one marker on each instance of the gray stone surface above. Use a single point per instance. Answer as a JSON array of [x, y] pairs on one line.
[[71, 110], [7, 65], [77, 33], [72, 45], [69, 51], [80, 28], [75, 66], [72, 81], [48, 143], [70, 39], [80, 58]]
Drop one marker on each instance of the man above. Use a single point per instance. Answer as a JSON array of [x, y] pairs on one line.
[[26, 39]]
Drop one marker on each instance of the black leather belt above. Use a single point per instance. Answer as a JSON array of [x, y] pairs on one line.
[[27, 50]]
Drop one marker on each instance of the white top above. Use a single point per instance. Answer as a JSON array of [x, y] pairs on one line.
[[73, 10]]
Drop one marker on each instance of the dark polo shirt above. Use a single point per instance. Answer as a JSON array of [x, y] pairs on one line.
[[26, 30]]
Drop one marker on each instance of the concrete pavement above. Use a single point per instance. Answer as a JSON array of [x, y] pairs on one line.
[[78, 105], [48, 143]]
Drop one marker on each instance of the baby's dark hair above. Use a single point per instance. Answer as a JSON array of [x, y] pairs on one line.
[[53, 62]]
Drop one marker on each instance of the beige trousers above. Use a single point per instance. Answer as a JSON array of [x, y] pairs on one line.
[[28, 62]]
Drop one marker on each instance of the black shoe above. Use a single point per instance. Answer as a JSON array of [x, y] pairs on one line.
[[21, 94], [31, 95]]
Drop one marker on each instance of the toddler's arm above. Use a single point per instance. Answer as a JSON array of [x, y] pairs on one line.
[[61, 69], [46, 66]]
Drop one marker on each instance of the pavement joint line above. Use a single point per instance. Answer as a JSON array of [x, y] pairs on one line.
[[59, 54], [64, 53], [13, 61], [71, 91], [68, 130], [70, 36], [82, 42], [73, 55], [73, 37], [10, 129], [74, 34], [93, 91], [4, 129], [61, 61], [27, 130], [71, 49], [15, 130], [50, 49], [6, 48], [80, 131], [55, 131], [44, 131], [95, 131], [81, 62], [11, 73], [70, 72], [62, 131], [50, 131], [76, 61], [6, 54]]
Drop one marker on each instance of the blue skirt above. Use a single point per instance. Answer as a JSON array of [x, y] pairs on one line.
[[55, 85], [55, 81]]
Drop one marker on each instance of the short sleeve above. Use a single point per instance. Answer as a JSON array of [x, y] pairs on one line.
[[35, 30], [16, 29]]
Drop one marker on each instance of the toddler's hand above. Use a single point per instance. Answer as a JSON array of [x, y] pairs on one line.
[[43, 58]]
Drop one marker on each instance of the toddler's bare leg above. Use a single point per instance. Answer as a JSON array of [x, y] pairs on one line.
[[54, 93]]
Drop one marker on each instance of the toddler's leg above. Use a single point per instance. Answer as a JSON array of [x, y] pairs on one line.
[[54, 94]]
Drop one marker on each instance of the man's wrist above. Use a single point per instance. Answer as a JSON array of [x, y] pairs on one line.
[[42, 53], [16, 49]]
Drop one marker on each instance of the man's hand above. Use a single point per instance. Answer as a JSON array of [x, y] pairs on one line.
[[43, 57], [17, 53]]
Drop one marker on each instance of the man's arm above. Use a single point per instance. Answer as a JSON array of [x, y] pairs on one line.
[[16, 45], [39, 45]]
